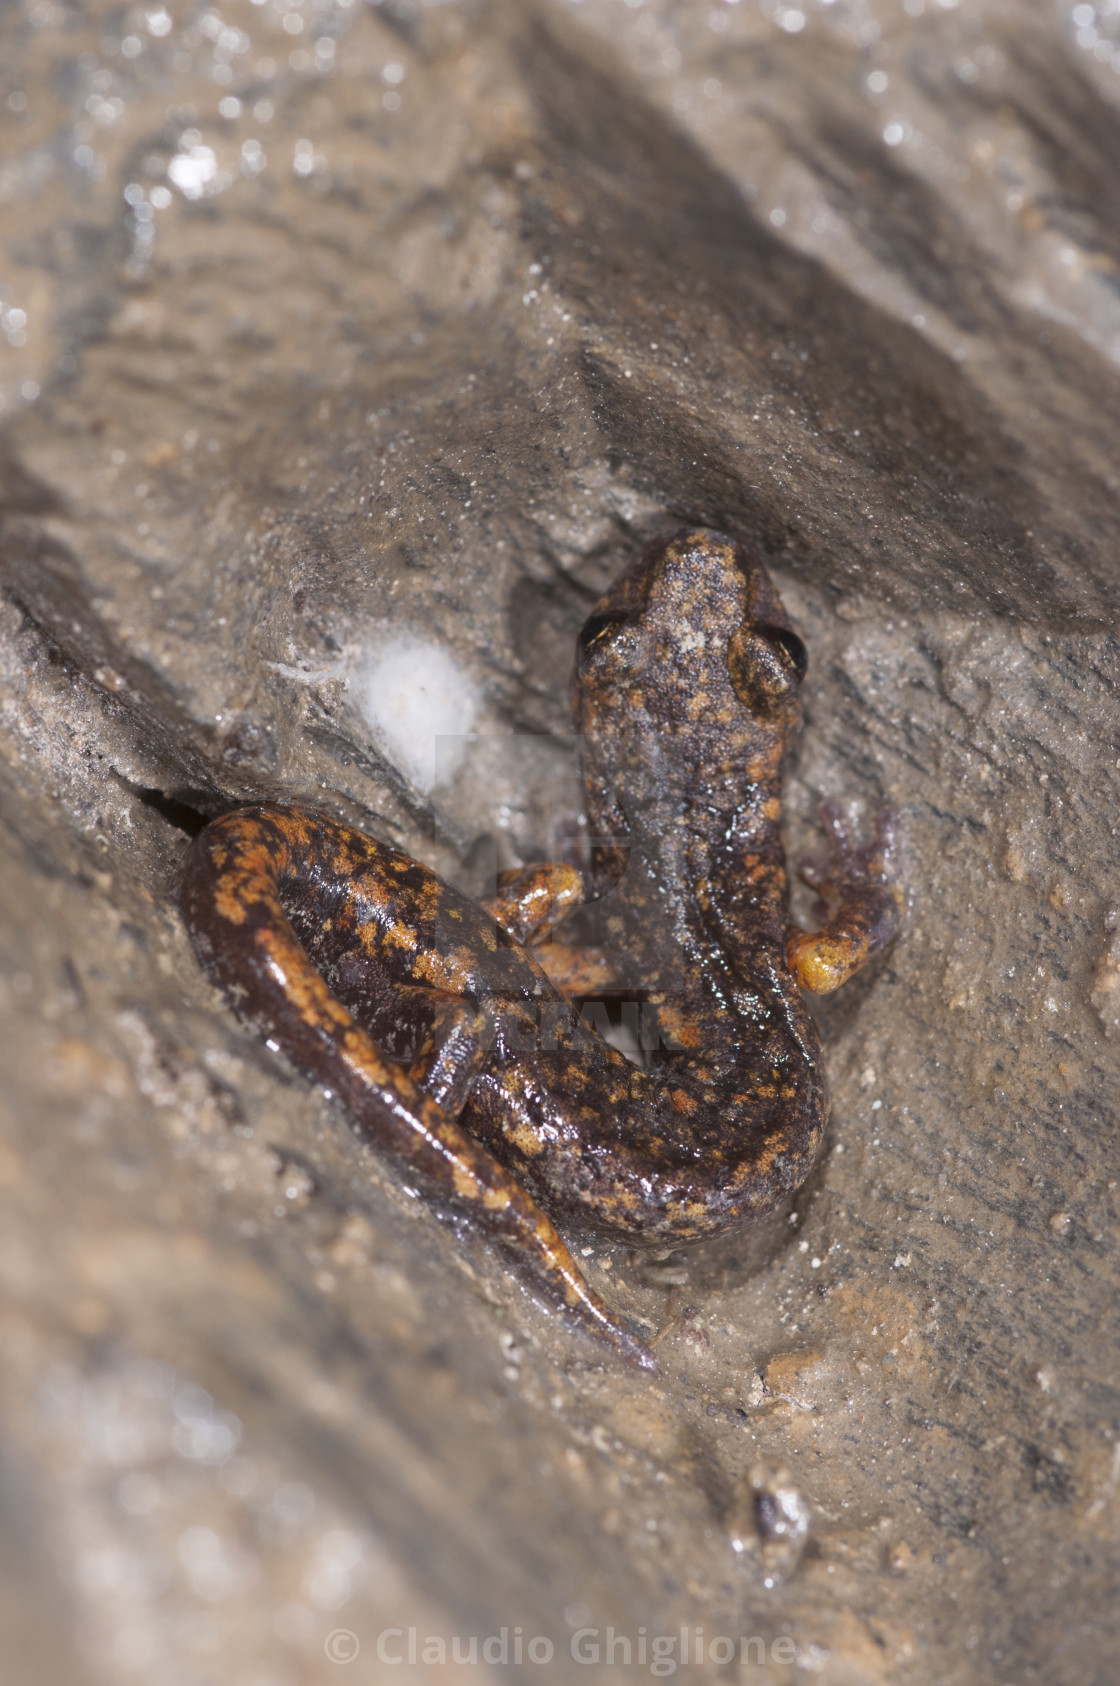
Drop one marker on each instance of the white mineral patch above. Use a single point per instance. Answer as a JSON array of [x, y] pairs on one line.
[[418, 704]]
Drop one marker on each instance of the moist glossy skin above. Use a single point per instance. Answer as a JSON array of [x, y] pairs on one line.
[[440, 1029]]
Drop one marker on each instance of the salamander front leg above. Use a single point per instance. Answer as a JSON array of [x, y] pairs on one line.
[[530, 902], [861, 887]]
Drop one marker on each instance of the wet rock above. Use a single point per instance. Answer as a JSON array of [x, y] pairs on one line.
[[770, 1524]]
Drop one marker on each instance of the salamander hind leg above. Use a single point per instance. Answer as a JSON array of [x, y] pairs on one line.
[[862, 891], [242, 874], [455, 1041], [441, 1039]]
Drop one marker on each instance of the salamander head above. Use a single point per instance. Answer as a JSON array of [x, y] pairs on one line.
[[692, 640]]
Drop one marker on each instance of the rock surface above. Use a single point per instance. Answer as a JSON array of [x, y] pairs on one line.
[[340, 336]]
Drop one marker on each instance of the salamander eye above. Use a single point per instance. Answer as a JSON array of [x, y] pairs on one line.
[[791, 644], [765, 664], [598, 631]]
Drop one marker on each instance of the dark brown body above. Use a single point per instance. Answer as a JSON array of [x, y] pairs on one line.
[[445, 1038]]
